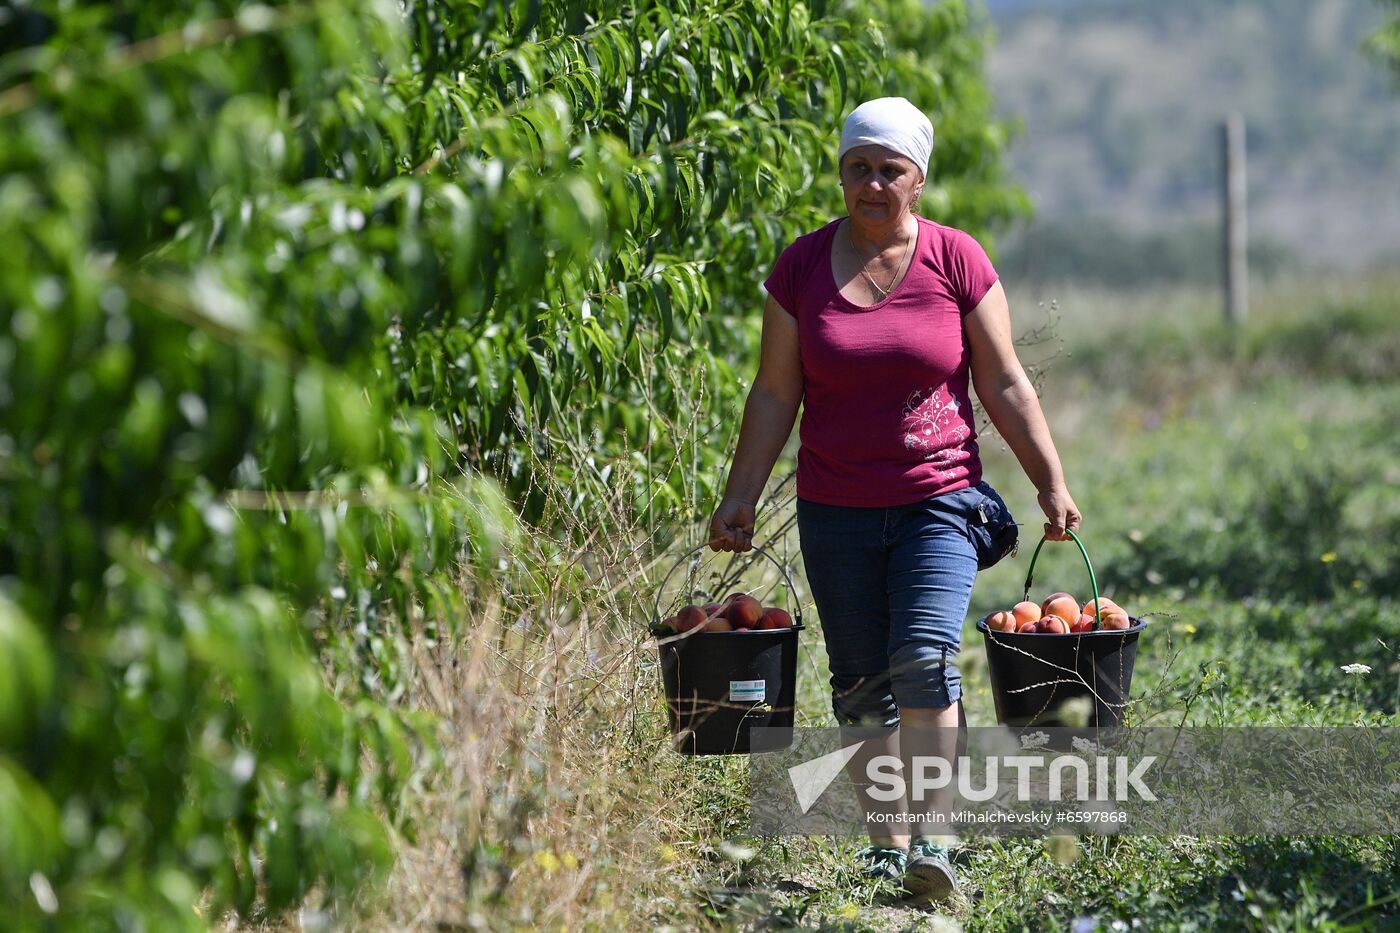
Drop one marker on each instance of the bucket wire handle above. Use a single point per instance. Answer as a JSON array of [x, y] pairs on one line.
[[797, 603], [1093, 580]]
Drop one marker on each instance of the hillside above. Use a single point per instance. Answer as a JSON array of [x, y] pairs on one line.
[[1121, 102]]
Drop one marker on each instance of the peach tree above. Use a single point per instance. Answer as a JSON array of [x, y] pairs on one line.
[[296, 302]]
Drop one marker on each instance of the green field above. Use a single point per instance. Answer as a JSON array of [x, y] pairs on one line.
[[1245, 495]]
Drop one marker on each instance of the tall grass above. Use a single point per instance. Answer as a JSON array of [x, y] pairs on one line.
[[558, 803]]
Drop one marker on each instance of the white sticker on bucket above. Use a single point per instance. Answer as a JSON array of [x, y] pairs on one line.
[[747, 691]]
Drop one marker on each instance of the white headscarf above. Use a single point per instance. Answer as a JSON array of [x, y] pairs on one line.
[[892, 122]]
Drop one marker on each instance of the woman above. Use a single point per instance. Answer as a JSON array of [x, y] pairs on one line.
[[876, 323]]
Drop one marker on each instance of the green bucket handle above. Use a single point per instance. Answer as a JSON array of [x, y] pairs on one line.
[[1093, 580]]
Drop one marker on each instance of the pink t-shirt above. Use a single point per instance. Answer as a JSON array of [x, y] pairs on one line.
[[886, 416]]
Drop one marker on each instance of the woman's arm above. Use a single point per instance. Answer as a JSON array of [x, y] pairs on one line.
[[1010, 401], [769, 414]]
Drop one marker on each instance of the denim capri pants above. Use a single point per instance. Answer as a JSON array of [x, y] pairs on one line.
[[892, 587]]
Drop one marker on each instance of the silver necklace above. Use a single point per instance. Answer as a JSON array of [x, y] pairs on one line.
[[883, 292]]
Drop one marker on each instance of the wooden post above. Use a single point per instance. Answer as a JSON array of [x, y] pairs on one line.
[[1236, 239]]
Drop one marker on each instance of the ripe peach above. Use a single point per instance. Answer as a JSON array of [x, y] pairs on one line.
[[1063, 605], [1025, 612], [743, 611], [720, 624], [1031, 626], [1104, 601], [1085, 623], [1115, 619], [1053, 625], [775, 618], [712, 610], [1002, 621], [688, 618]]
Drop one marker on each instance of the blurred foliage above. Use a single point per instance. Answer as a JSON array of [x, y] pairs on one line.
[[1384, 43], [296, 301], [1249, 464], [1100, 251]]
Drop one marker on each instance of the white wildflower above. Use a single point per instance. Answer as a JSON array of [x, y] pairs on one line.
[[1034, 740], [735, 852], [1077, 712], [1358, 669], [43, 893]]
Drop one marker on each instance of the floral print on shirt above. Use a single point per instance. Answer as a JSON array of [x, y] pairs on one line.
[[934, 425]]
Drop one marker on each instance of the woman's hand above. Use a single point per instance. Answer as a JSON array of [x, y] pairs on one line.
[[731, 527], [1057, 505]]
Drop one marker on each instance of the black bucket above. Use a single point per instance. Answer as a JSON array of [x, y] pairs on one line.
[[720, 685], [1033, 675]]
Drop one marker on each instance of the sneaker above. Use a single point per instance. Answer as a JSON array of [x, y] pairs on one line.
[[885, 863], [927, 873]]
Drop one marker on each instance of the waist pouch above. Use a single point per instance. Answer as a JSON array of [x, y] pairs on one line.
[[991, 527]]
